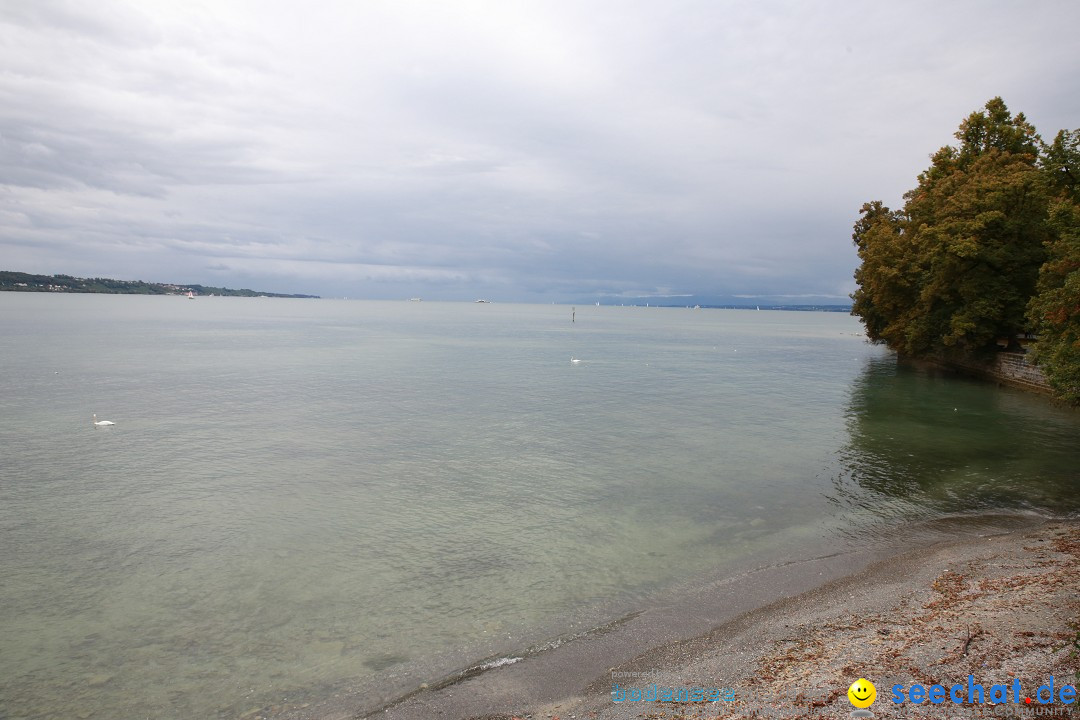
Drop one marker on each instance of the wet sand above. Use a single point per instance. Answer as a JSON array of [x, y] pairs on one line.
[[996, 599]]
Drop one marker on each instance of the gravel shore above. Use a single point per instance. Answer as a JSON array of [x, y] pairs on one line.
[[1002, 609], [999, 607]]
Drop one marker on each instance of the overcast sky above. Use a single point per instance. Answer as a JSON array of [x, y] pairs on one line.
[[531, 151]]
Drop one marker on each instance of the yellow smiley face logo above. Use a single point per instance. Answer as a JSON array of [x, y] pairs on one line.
[[862, 693]]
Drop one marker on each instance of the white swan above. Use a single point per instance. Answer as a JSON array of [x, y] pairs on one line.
[[102, 423]]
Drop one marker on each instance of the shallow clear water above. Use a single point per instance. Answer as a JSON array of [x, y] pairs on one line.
[[299, 495]]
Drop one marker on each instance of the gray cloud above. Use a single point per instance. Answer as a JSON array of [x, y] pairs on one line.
[[521, 151]]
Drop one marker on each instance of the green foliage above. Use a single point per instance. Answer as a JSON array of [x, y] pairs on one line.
[[978, 227], [1061, 164], [886, 288], [994, 129], [1055, 310], [986, 247]]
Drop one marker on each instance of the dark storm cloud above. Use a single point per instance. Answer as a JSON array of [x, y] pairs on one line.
[[523, 150]]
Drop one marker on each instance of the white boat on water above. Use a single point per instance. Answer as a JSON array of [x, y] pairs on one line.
[[190, 295]]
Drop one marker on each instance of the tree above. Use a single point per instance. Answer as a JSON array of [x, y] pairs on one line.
[[955, 269], [1055, 311], [885, 278]]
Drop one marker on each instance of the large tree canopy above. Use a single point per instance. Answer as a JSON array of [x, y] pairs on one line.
[[992, 221], [1055, 310]]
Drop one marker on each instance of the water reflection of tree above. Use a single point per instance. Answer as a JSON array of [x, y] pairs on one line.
[[953, 444]]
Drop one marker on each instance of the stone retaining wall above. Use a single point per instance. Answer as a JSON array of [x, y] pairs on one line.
[[1007, 368], [1015, 369]]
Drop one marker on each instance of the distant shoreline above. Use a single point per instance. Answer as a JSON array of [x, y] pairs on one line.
[[11, 281]]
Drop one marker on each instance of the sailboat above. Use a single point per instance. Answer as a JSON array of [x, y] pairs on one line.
[[190, 295]]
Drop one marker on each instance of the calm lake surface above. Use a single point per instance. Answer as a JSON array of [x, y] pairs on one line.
[[304, 495]]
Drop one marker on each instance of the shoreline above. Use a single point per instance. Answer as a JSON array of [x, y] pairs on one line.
[[1000, 608], [720, 633]]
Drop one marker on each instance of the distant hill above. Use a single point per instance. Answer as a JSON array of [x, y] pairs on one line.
[[25, 282]]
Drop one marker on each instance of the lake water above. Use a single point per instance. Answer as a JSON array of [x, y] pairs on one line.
[[304, 495]]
